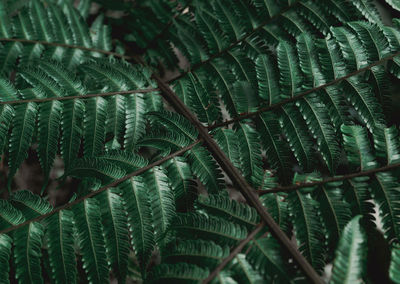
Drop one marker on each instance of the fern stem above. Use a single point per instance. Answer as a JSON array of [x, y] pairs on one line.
[[22, 40], [301, 95], [232, 45], [233, 253], [236, 177], [87, 96], [103, 188], [295, 187]]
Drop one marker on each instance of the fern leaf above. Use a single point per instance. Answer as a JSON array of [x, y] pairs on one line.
[[222, 206], [296, 133], [161, 199], [265, 257], [115, 232], [357, 146], [229, 143], [199, 252], [278, 208], [319, 124], [250, 154], [91, 240], [243, 271], [5, 254], [49, 122], [268, 79], [182, 183], [387, 144], [394, 268], [6, 116], [194, 225], [9, 215], [384, 190], [308, 229], [277, 151], [335, 211], [137, 204], [97, 168], [72, 130], [94, 126], [174, 122], [134, 121], [27, 253], [349, 264], [179, 272], [124, 160], [205, 168], [21, 136], [30, 204], [60, 241]]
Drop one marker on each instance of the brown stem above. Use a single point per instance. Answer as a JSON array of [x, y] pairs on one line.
[[57, 44], [104, 188], [315, 89], [238, 180], [87, 96], [327, 180], [233, 253]]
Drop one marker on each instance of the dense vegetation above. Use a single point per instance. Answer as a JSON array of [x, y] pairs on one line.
[[222, 141]]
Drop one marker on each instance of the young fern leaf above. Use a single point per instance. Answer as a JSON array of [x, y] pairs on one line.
[[349, 264]]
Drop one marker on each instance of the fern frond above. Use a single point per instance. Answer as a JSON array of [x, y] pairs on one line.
[[222, 206], [349, 264], [140, 219], [91, 240], [196, 225], [60, 241], [179, 272]]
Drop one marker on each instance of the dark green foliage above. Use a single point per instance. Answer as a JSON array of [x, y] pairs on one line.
[[292, 92]]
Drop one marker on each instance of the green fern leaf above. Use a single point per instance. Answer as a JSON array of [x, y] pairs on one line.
[[5, 254], [194, 225], [21, 136], [72, 130], [199, 252], [49, 131], [115, 232], [205, 168], [394, 268], [308, 229], [60, 240], [243, 272], [222, 206], [94, 126], [140, 220], [27, 253], [91, 240], [265, 257], [349, 264], [177, 273], [161, 199]]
